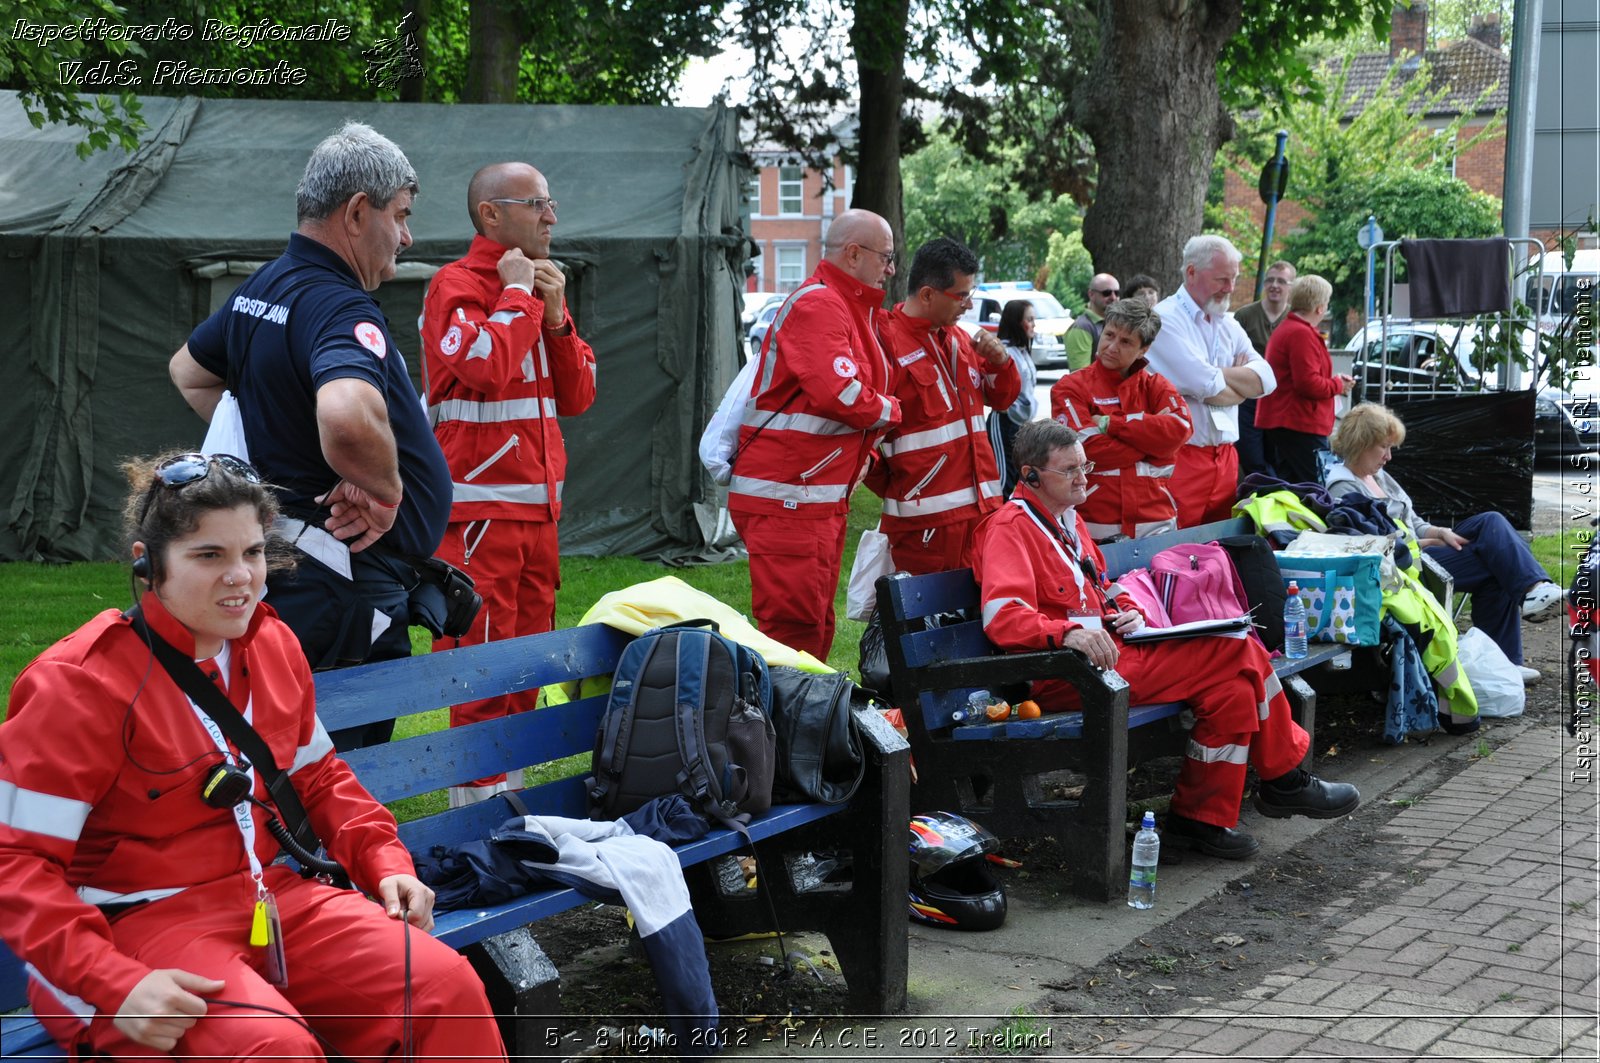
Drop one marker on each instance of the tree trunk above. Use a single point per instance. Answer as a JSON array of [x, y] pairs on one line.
[[878, 38], [414, 89], [1151, 105], [498, 35]]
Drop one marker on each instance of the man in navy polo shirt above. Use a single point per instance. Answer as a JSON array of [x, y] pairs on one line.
[[330, 414]]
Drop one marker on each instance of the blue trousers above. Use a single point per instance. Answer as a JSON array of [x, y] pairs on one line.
[[1497, 569]]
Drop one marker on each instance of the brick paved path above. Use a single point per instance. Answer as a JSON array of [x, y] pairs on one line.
[[1491, 955]]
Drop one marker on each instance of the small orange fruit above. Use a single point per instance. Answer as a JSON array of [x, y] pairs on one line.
[[1000, 710], [1028, 710]]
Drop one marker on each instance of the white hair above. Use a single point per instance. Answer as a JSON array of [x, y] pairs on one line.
[[1202, 250], [355, 159]]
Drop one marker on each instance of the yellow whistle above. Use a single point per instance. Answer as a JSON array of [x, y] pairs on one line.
[[258, 925]]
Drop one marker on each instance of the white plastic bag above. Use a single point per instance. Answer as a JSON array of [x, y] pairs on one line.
[[721, 437], [1496, 681], [872, 563], [226, 433]]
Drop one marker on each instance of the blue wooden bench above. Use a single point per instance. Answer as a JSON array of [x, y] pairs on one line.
[[865, 921], [992, 770]]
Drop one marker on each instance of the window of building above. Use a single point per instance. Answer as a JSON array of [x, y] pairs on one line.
[[754, 192], [791, 190], [790, 264], [1444, 151]]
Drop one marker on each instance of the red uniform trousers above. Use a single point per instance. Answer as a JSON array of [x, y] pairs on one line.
[[1205, 483], [346, 965], [924, 550], [794, 577], [1241, 716], [516, 566]]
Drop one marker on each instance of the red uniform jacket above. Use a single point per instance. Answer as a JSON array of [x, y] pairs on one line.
[[819, 404], [1032, 581], [101, 763], [938, 465], [497, 379], [1133, 455], [1306, 387]]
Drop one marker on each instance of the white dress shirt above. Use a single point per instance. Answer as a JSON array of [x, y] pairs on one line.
[[1191, 350]]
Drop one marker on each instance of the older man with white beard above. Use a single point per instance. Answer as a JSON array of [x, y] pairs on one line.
[[1211, 361]]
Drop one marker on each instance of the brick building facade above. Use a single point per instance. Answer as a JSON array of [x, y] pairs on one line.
[[791, 207]]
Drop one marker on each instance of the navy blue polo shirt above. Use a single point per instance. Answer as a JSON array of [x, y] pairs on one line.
[[294, 325]]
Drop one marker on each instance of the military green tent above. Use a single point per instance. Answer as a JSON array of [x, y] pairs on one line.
[[106, 264]]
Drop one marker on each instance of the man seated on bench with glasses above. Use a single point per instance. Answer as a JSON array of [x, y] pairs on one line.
[[1043, 587]]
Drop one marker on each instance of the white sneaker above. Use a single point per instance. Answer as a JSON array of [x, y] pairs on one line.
[[1530, 676], [1543, 602]]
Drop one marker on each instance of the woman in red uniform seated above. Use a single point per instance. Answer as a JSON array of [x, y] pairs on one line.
[[139, 908], [1041, 585]]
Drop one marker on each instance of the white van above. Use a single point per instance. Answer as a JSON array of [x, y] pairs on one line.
[[1562, 287]]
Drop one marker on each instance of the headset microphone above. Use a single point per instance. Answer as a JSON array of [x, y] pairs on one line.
[[1031, 478], [141, 566]]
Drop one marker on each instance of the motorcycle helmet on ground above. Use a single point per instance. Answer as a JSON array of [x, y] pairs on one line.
[[952, 885]]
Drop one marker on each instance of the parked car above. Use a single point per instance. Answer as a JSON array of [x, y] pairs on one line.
[[1050, 319], [754, 303], [1434, 357], [763, 322]]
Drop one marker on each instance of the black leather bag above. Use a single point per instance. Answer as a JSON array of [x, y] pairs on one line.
[[1263, 585], [819, 751]]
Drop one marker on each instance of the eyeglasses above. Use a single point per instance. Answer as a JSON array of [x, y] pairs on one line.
[[1107, 293], [539, 203], [889, 257], [960, 297], [185, 469], [1072, 471], [1277, 280]]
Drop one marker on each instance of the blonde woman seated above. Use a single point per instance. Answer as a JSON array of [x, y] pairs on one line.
[[1484, 555]]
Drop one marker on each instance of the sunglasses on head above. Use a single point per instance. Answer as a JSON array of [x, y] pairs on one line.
[[185, 469]]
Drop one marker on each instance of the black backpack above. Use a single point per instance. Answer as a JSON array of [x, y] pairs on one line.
[[688, 713], [1263, 584]]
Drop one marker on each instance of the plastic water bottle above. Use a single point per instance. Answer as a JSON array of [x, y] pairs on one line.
[[976, 710], [1142, 875], [1294, 624]]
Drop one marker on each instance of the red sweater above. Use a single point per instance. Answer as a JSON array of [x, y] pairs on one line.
[[1306, 387]]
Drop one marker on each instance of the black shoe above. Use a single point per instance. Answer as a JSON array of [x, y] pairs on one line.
[[1301, 793], [1469, 726], [1221, 842]]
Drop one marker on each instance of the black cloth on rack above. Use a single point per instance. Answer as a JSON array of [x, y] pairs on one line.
[[1458, 278]]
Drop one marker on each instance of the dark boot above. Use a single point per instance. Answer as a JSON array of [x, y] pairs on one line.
[[1301, 793], [1221, 842]]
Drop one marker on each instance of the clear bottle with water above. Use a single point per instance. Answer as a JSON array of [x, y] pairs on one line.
[[1294, 624], [1142, 873], [976, 709]]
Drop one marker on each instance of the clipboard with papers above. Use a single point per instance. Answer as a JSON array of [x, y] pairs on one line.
[[1227, 626]]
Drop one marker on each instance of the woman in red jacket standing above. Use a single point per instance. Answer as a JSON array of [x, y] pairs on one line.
[[1297, 418]]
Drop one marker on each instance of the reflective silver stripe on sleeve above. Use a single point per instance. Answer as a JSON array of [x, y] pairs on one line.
[[481, 346], [1161, 472], [1229, 754], [525, 494], [318, 747], [1135, 416], [992, 607], [930, 437], [771, 364], [1102, 531], [851, 392], [808, 423], [1085, 433], [41, 813], [929, 504], [782, 492], [1154, 527], [77, 1007], [504, 317], [492, 412], [887, 413]]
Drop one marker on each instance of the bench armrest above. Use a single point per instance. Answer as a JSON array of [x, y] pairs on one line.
[[1067, 665], [1438, 580], [881, 739]]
